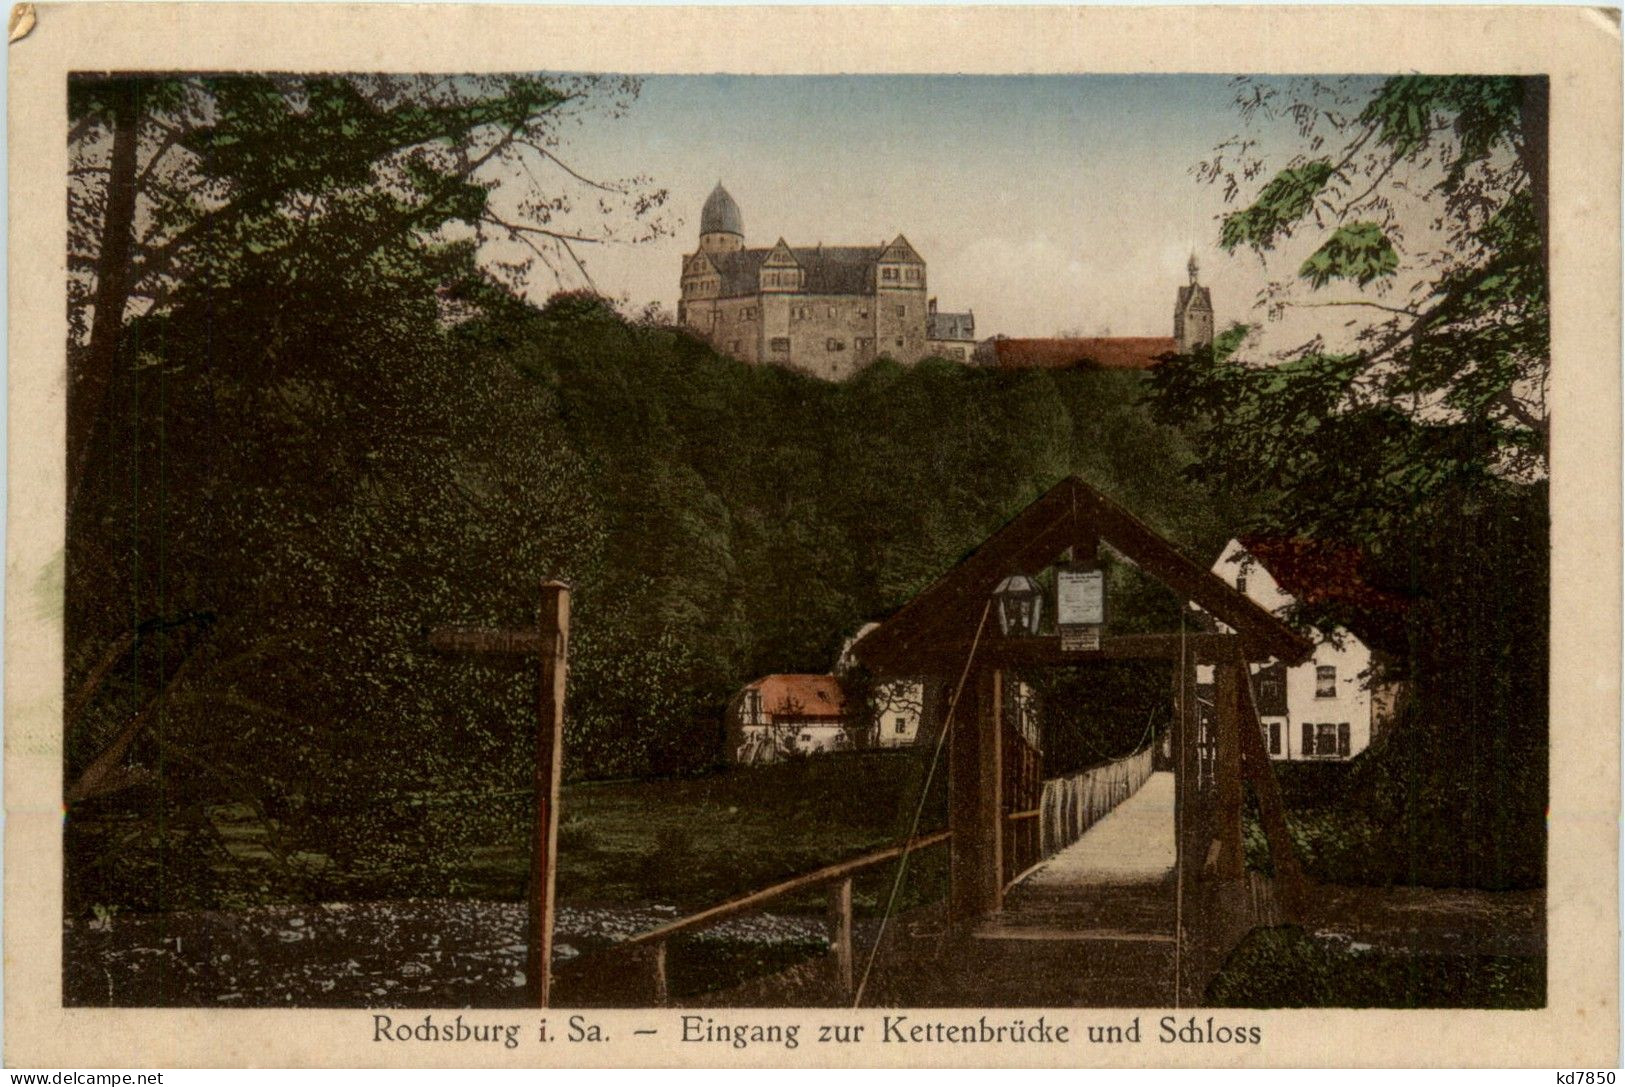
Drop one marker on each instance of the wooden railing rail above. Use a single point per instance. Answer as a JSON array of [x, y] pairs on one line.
[[837, 876]]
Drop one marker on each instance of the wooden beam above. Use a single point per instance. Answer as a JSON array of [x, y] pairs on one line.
[[991, 821], [840, 936], [1197, 584], [1028, 652], [807, 881], [976, 868], [1256, 766], [1070, 514], [553, 627], [1227, 769]]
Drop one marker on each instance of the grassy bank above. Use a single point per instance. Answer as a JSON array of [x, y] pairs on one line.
[[683, 841], [1287, 968]]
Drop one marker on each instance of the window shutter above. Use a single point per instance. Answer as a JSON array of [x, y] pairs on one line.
[[1343, 739], [1308, 738]]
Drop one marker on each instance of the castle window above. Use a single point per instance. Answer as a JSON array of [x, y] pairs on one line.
[[864, 343], [832, 344], [902, 311], [779, 343]]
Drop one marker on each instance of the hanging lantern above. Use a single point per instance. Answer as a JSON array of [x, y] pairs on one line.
[[1020, 603]]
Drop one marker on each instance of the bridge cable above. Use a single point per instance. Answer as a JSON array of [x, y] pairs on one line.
[[919, 809], [1179, 816]]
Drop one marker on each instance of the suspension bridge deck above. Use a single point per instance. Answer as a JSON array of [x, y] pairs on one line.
[[1092, 926], [1114, 883]]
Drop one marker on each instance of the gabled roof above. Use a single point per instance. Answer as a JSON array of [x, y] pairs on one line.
[[800, 695], [1092, 353], [950, 326], [1194, 297], [899, 249], [828, 269], [950, 610]]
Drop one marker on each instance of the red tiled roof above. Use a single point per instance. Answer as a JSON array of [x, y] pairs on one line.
[[1100, 352], [801, 695], [1321, 572]]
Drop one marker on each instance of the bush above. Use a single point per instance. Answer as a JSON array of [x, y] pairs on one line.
[[1286, 968]]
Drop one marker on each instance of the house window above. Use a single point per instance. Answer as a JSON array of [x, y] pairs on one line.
[[864, 343], [750, 313], [1325, 740], [902, 311], [829, 311], [913, 274], [863, 311], [733, 347], [1241, 583], [803, 312], [1269, 692], [900, 725], [832, 344], [1325, 681], [779, 343], [888, 273], [899, 341]]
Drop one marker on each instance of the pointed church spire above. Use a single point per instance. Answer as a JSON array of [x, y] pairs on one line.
[[1191, 268]]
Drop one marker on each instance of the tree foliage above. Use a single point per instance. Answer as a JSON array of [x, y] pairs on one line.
[[1411, 423]]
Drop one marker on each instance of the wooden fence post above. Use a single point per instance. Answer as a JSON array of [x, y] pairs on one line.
[[840, 936], [660, 986], [553, 624]]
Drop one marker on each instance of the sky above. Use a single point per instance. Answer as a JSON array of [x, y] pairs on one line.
[[1041, 203]]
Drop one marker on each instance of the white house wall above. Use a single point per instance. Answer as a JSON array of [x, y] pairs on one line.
[[1346, 654]]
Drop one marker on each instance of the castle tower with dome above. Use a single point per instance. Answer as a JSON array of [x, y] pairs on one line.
[[827, 310]]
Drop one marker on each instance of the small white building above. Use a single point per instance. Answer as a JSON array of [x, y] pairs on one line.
[[785, 715], [1329, 707]]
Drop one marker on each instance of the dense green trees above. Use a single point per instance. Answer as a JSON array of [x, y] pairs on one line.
[[1417, 206], [320, 428]]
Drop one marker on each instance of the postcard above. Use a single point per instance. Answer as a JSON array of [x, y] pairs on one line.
[[793, 537]]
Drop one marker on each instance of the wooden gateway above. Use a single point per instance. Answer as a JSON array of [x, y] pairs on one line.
[[951, 629]]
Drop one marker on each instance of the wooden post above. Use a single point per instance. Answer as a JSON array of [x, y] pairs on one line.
[[1271, 810], [657, 966], [549, 643], [840, 936], [1227, 768], [553, 623], [975, 813]]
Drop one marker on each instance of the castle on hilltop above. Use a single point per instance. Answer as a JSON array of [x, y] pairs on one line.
[[828, 310]]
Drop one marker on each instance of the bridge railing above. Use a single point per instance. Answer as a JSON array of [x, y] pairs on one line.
[[651, 946], [1071, 805]]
